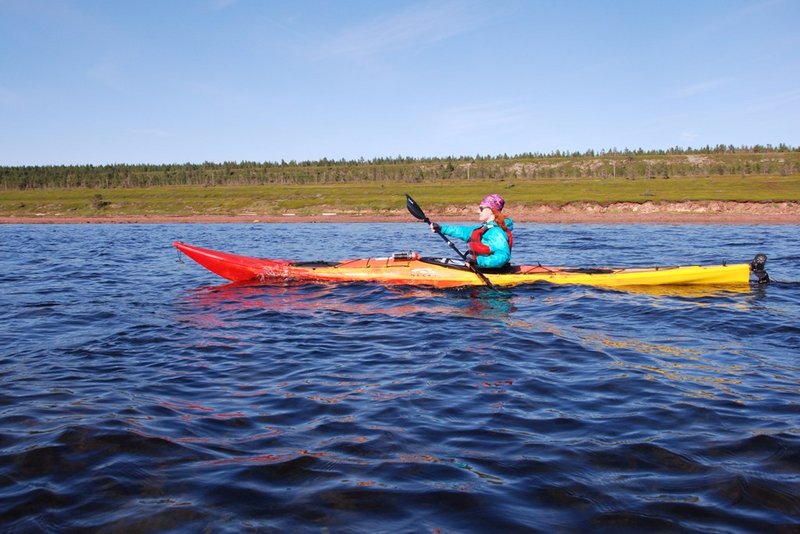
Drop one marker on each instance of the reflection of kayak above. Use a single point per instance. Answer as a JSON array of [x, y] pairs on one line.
[[409, 268]]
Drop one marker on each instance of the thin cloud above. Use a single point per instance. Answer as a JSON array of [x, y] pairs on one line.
[[146, 132], [107, 73], [775, 102], [688, 137], [481, 117], [699, 88], [221, 4], [420, 25], [8, 97], [731, 18]]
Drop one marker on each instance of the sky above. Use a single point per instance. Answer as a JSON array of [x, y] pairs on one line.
[[153, 81]]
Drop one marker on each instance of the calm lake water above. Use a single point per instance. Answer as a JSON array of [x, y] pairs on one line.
[[138, 393]]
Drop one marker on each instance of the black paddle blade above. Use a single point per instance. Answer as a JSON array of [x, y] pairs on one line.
[[414, 209]]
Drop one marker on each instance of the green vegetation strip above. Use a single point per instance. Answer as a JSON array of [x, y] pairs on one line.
[[677, 162], [385, 197]]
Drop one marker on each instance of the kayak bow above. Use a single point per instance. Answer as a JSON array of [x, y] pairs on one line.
[[411, 269]]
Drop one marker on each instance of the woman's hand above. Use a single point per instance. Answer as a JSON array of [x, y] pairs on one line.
[[436, 228]]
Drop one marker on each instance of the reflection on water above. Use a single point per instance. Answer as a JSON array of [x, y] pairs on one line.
[[690, 291], [398, 301], [685, 366]]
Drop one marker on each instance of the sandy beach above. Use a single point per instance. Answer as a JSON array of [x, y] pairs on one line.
[[711, 212]]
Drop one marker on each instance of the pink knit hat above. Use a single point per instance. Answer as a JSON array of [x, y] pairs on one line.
[[495, 202]]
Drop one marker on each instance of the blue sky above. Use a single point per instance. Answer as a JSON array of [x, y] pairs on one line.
[[174, 81]]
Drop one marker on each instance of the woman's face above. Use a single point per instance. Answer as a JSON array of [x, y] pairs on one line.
[[486, 214]]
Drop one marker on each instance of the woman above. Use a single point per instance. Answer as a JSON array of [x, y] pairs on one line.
[[489, 243]]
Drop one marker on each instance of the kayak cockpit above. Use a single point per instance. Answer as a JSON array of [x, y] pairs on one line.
[[517, 269]]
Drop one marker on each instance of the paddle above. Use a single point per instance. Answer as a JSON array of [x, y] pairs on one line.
[[417, 212]]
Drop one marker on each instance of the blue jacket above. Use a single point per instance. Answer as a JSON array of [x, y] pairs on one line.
[[494, 237]]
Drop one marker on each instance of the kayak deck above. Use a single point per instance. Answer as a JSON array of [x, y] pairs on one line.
[[410, 268]]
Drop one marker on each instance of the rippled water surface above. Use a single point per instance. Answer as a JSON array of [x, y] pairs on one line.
[[143, 394]]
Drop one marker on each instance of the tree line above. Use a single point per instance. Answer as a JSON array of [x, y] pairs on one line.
[[626, 163]]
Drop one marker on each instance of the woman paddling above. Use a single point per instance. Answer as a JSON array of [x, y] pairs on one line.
[[490, 242]]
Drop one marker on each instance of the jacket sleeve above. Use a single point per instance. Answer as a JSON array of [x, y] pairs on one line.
[[459, 232], [497, 240]]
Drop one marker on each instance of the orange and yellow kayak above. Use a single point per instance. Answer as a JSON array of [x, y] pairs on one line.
[[411, 269]]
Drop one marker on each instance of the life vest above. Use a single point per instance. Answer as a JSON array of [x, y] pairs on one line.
[[476, 246]]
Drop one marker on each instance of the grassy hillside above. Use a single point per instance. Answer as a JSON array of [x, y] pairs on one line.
[[382, 197]]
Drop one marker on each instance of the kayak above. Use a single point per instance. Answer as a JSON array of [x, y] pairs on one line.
[[409, 268]]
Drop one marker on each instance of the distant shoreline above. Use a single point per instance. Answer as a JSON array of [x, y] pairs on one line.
[[708, 212]]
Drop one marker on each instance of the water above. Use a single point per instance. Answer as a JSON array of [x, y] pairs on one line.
[[143, 394]]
